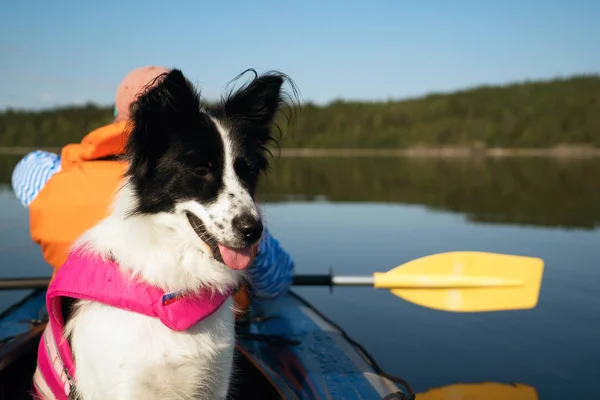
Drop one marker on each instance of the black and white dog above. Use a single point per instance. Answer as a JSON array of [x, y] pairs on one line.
[[184, 219]]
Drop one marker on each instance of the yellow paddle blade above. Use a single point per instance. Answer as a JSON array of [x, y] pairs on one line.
[[480, 391], [465, 281]]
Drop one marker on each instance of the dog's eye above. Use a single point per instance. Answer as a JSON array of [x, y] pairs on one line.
[[203, 172]]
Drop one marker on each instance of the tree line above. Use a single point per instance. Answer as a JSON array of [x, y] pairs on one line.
[[525, 115]]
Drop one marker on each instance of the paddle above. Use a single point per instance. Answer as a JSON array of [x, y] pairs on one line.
[[460, 281], [457, 281]]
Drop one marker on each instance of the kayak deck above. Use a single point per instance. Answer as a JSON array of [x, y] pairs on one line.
[[308, 356], [20, 327], [286, 349]]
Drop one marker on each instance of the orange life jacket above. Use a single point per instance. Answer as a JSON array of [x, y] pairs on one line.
[[78, 196]]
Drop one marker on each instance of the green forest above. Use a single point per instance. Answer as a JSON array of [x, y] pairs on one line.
[[525, 115]]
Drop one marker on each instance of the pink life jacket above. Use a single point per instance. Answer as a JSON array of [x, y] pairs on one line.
[[90, 277]]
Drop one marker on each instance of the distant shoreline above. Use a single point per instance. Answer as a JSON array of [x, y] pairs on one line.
[[449, 152], [564, 151]]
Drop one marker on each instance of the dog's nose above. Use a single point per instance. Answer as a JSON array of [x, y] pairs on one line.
[[248, 226]]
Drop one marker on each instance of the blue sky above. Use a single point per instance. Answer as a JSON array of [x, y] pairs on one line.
[[64, 52]]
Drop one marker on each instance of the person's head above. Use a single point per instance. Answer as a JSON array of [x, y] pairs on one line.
[[131, 86]]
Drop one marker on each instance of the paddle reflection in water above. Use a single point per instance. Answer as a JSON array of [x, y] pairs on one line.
[[480, 391]]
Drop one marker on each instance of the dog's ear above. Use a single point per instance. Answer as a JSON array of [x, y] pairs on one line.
[[159, 113], [257, 103]]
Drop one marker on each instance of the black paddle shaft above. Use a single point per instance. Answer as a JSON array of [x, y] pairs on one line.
[[42, 282], [24, 283], [313, 280]]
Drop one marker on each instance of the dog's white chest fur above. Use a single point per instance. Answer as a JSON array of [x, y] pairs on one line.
[[132, 356], [123, 355]]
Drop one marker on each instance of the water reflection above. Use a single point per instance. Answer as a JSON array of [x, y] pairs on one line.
[[7, 164], [535, 191]]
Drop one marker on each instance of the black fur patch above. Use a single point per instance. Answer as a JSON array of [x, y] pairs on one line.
[[175, 150], [249, 114]]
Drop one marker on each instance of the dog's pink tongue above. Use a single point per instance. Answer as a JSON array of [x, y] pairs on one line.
[[236, 259]]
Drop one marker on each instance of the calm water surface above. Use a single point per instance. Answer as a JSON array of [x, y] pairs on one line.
[[358, 216]]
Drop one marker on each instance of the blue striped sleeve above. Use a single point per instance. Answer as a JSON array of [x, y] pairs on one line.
[[31, 174], [272, 272]]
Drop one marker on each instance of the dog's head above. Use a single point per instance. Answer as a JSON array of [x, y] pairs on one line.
[[201, 163]]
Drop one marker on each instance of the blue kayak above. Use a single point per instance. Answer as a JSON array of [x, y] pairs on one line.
[[286, 350]]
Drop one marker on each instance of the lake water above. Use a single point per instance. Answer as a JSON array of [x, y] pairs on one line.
[[360, 215]]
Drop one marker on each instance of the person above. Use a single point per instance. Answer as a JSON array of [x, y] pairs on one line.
[[67, 194]]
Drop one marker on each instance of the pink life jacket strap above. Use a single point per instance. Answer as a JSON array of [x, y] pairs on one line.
[[89, 276]]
